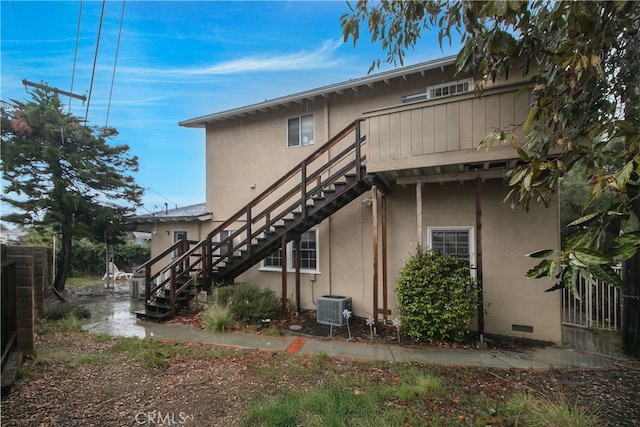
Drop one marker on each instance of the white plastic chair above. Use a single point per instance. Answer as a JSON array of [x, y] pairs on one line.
[[115, 273]]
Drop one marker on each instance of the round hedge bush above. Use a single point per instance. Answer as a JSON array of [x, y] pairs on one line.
[[437, 297]]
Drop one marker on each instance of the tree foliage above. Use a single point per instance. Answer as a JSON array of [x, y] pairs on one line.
[[89, 258], [437, 297], [62, 174], [581, 59]]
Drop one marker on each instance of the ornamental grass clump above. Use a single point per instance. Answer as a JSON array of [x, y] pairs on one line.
[[437, 297], [218, 318]]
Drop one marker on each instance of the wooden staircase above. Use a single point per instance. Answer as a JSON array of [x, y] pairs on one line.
[[323, 183]]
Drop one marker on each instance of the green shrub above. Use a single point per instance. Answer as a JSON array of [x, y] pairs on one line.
[[437, 297], [249, 303], [218, 317], [66, 309]]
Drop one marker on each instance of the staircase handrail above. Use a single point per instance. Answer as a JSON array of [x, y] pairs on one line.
[[181, 266], [273, 187]]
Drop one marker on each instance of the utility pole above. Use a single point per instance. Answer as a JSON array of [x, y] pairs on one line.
[[53, 89]]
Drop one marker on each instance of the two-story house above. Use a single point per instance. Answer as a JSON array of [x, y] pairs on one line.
[[326, 192]]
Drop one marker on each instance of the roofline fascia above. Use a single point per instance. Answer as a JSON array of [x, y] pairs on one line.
[[200, 122]]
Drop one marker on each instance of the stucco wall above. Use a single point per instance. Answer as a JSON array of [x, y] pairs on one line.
[[507, 236], [246, 155], [162, 237]]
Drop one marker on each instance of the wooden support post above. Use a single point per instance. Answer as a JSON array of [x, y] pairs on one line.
[[383, 208], [296, 258], [283, 247], [172, 290], [419, 241], [147, 282], [374, 228]]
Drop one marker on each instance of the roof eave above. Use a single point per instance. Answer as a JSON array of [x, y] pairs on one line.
[[200, 122]]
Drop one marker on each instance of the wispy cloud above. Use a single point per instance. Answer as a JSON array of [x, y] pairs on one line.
[[322, 57]]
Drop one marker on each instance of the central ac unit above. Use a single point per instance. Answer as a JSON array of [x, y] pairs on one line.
[[331, 309]]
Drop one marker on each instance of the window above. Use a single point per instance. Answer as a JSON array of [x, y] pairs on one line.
[[308, 254], [440, 91], [300, 131], [451, 88], [457, 242]]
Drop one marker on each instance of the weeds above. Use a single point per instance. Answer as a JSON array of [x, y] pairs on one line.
[[527, 410], [149, 352], [420, 387], [69, 323], [327, 406], [66, 309]]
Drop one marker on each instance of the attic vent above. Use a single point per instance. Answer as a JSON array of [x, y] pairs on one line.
[[414, 98], [451, 88], [330, 309]]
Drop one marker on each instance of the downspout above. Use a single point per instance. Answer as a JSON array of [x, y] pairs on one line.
[[326, 130], [374, 226], [479, 259], [419, 242]]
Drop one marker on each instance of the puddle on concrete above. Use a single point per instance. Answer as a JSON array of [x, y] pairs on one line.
[[112, 314]]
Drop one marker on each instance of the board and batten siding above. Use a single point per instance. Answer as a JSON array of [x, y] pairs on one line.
[[414, 131]]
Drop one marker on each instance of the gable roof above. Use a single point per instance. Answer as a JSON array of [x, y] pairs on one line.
[[200, 122], [196, 212]]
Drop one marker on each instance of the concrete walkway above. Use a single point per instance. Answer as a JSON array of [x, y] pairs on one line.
[[113, 315]]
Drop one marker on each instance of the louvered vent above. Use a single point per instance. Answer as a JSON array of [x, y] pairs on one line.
[[331, 309]]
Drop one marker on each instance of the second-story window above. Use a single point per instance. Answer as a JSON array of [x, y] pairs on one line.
[[300, 131]]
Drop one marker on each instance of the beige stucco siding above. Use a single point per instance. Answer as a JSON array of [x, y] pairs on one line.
[[162, 237], [245, 155], [507, 236]]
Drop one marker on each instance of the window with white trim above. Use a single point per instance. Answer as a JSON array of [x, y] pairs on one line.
[[448, 89], [457, 242], [308, 254], [300, 131], [440, 91]]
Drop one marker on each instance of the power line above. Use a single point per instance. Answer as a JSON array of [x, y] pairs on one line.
[[75, 55], [115, 62], [93, 71]]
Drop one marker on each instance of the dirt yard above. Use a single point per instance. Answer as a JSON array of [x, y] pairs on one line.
[[81, 380], [78, 379]]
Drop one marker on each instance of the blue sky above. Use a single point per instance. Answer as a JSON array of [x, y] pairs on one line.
[[177, 61]]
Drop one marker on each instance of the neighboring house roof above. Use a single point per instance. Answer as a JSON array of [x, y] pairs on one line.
[[186, 213], [142, 235], [10, 234], [199, 122]]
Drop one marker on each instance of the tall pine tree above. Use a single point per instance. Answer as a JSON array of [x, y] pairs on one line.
[[61, 173]]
